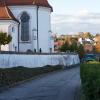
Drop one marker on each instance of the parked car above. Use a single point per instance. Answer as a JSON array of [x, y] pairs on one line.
[[98, 57], [89, 57]]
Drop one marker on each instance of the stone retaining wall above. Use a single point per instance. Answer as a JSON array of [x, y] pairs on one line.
[[37, 60]]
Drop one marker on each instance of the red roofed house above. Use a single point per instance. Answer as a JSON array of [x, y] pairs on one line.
[[28, 22]]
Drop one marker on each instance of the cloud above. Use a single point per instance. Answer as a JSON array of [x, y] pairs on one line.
[[83, 12], [81, 21]]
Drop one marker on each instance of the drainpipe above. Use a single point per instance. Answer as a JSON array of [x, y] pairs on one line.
[[37, 14], [18, 35]]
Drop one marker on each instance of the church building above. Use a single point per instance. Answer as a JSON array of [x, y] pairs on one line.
[[29, 24]]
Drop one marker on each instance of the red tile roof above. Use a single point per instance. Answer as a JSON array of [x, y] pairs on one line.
[[5, 13], [43, 3]]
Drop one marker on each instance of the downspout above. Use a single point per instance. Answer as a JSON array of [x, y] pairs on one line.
[[37, 28], [18, 35]]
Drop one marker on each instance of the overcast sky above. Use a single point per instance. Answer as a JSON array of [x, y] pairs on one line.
[[72, 16]]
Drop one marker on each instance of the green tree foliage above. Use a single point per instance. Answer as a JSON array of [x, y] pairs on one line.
[[73, 48], [87, 35], [64, 47], [80, 50], [4, 39]]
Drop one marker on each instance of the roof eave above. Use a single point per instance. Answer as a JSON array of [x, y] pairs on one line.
[[5, 19]]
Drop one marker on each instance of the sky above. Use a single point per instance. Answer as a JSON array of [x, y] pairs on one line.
[[72, 16]]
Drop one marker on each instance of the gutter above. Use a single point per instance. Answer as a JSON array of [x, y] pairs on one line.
[[18, 35], [37, 15]]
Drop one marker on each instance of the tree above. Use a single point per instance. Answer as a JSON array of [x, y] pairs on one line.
[[97, 48], [4, 39], [73, 47], [97, 34], [80, 51], [87, 35], [67, 46], [64, 47]]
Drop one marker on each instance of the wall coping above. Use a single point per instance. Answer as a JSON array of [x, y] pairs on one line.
[[28, 53]]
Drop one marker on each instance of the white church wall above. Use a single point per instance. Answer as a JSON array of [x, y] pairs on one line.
[[31, 11], [14, 32], [33, 61], [5, 26], [44, 28]]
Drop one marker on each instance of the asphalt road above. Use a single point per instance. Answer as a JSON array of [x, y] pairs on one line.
[[60, 85]]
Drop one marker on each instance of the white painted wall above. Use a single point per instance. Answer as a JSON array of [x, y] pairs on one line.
[[6, 26], [44, 26], [14, 34], [33, 61], [17, 12]]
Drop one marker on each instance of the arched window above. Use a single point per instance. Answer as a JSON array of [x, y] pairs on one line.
[[25, 27]]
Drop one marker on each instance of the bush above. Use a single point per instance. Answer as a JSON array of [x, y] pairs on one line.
[[90, 77], [11, 76], [4, 39]]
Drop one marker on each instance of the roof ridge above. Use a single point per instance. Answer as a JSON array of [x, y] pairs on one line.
[[8, 12]]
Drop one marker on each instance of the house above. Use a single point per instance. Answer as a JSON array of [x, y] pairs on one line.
[[88, 48], [28, 22], [97, 43], [97, 39]]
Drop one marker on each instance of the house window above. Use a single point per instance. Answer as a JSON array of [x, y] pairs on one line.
[[25, 27]]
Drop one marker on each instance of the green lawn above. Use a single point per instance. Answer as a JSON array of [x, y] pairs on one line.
[[90, 78]]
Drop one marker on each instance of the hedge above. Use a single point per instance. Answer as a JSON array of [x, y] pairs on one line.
[[90, 78]]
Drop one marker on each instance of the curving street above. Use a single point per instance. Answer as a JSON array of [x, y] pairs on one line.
[[61, 85]]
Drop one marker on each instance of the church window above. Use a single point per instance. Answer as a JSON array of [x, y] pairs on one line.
[[25, 27], [13, 29]]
